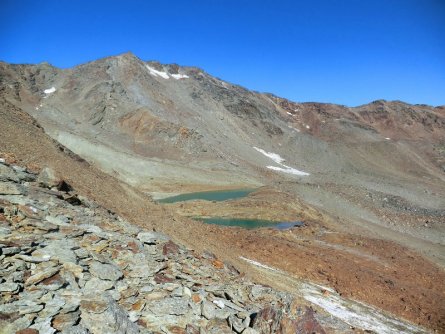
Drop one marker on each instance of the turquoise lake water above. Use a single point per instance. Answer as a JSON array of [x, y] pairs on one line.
[[220, 195], [249, 223]]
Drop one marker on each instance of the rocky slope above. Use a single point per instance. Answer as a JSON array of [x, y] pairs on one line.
[[70, 266]]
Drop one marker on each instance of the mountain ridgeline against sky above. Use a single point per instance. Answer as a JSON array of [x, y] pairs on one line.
[[366, 185], [182, 113]]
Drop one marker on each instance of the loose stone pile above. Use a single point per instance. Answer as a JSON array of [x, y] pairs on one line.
[[70, 266]]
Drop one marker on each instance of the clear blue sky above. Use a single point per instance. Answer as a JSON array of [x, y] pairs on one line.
[[348, 52]]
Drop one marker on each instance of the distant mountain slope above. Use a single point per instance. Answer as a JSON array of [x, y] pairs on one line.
[[182, 113], [179, 125]]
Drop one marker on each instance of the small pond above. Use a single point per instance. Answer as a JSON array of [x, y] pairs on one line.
[[219, 195], [249, 223]]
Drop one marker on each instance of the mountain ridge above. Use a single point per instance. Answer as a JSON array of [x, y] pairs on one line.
[[130, 54], [372, 173]]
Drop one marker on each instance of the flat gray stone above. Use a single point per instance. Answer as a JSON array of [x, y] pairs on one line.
[[97, 285], [79, 329], [208, 310], [152, 238], [9, 287], [58, 220], [10, 250], [30, 307], [168, 306], [44, 326], [105, 271], [34, 259], [59, 249]]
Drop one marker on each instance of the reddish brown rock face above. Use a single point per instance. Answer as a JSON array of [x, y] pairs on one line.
[[276, 320], [170, 248], [307, 324]]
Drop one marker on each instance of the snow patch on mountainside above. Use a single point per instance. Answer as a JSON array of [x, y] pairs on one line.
[[179, 76], [154, 72], [288, 170], [279, 160], [275, 157]]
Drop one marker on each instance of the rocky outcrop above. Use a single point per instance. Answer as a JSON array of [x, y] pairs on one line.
[[81, 269]]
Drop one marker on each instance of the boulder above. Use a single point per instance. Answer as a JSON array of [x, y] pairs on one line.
[[47, 178]]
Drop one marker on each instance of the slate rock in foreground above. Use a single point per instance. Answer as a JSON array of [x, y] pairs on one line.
[[77, 269]]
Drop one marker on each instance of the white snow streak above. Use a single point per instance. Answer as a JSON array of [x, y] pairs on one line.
[[157, 73], [279, 160], [288, 170], [258, 264], [352, 312], [355, 313], [50, 90], [275, 157], [179, 76]]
